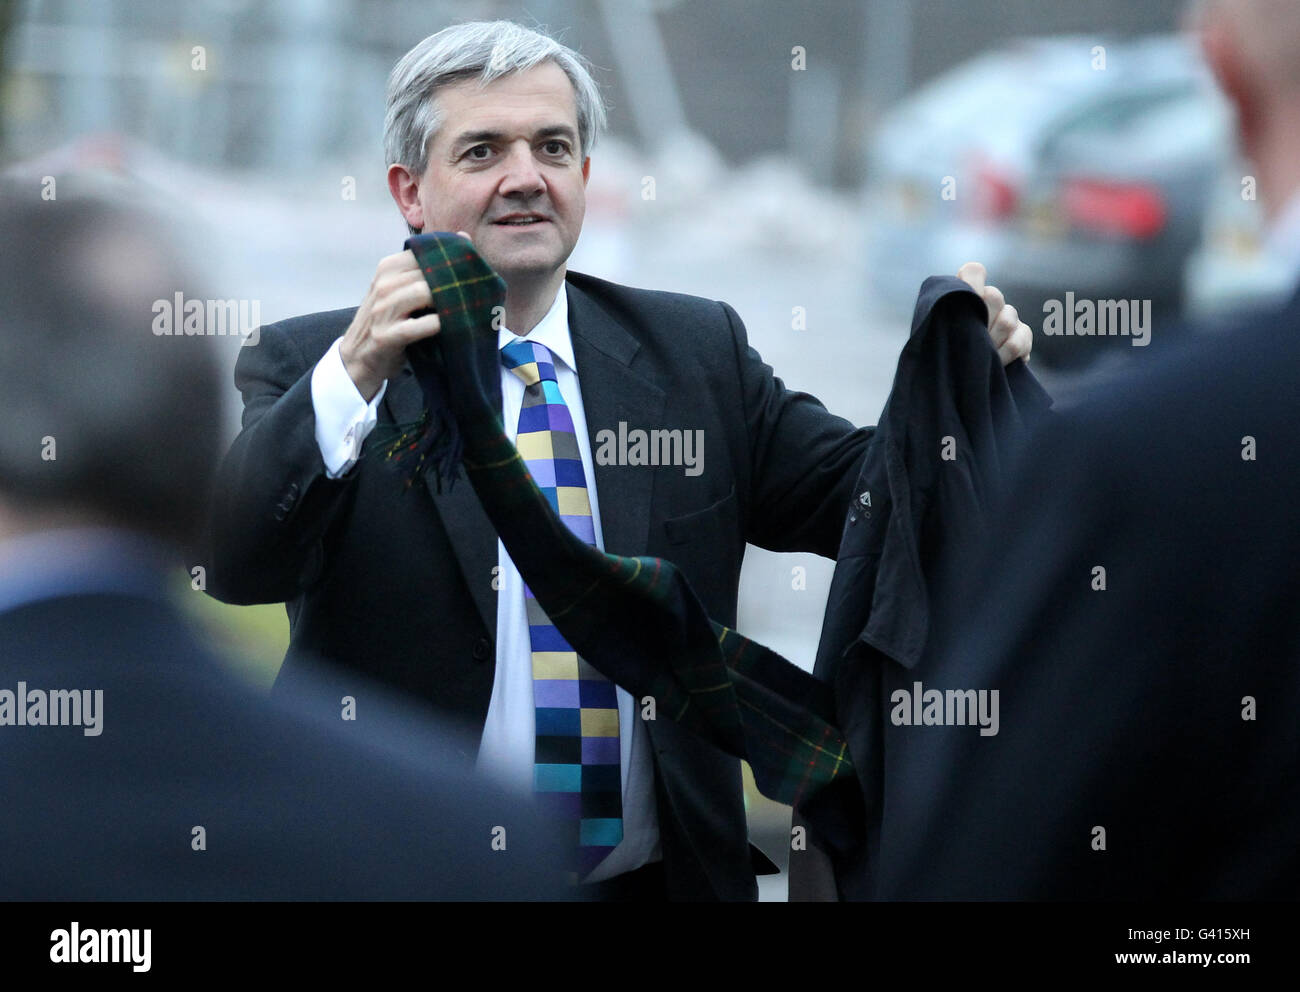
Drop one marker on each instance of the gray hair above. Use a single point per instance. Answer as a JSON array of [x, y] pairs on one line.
[[487, 50]]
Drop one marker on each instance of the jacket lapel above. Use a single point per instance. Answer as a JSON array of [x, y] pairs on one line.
[[473, 539], [612, 392]]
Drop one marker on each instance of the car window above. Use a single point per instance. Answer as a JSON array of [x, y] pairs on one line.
[[1189, 118]]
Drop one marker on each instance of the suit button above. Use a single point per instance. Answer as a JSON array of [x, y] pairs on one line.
[[482, 648]]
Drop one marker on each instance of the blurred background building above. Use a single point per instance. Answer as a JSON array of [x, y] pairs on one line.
[[795, 160], [291, 82]]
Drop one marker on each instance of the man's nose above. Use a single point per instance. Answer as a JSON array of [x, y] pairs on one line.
[[522, 177]]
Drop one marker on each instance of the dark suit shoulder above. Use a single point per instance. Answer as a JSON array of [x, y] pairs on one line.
[[644, 303], [312, 333], [665, 325], [300, 799], [1248, 363]]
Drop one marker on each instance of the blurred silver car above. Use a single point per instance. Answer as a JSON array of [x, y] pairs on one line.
[[1061, 174]]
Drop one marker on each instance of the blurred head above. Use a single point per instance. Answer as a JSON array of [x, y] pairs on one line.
[[488, 130], [1253, 49], [106, 423]]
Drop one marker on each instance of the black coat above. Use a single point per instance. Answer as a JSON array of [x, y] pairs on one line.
[[1161, 709], [399, 586], [295, 803], [954, 424]]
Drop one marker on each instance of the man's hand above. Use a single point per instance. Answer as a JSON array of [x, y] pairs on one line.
[[374, 344], [1011, 336]]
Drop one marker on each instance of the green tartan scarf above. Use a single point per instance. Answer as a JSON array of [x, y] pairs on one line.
[[636, 620]]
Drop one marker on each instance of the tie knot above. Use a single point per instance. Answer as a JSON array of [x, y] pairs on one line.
[[531, 361]]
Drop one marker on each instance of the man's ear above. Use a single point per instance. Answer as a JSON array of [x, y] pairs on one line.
[[405, 189], [586, 169]]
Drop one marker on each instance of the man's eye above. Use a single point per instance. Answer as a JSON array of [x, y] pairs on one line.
[[479, 152], [555, 147]]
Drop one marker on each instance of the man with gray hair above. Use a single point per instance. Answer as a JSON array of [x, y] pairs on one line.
[[488, 132]]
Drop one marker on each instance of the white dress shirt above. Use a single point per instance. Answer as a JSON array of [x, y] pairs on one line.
[[1282, 240], [507, 748]]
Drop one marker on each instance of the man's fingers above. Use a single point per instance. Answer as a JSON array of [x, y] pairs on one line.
[[405, 298], [1017, 345], [415, 329], [399, 262], [973, 273], [388, 285], [1003, 325], [1010, 335], [994, 300]]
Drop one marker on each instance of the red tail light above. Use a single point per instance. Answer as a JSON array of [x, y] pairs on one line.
[[995, 194], [1126, 209]]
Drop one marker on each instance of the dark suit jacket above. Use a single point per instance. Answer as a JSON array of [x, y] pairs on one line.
[[296, 804], [1126, 708], [399, 586]]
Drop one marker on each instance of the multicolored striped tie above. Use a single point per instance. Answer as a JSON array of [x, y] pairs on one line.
[[577, 746]]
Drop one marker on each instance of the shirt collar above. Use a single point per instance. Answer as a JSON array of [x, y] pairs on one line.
[[1282, 241], [71, 560], [551, 331]]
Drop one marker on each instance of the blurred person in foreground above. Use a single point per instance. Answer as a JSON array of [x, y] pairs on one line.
[[135, 767], [1141, 619], [489, 130]]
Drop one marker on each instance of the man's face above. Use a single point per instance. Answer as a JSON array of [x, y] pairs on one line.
[[505, 167]]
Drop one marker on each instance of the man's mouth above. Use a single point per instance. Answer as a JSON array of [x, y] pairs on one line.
[[520, 220]]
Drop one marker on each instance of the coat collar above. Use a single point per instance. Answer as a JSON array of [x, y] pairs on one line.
[[612, 392]]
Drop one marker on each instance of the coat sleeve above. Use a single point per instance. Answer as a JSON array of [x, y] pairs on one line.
[[804, 459], [273, 502]]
